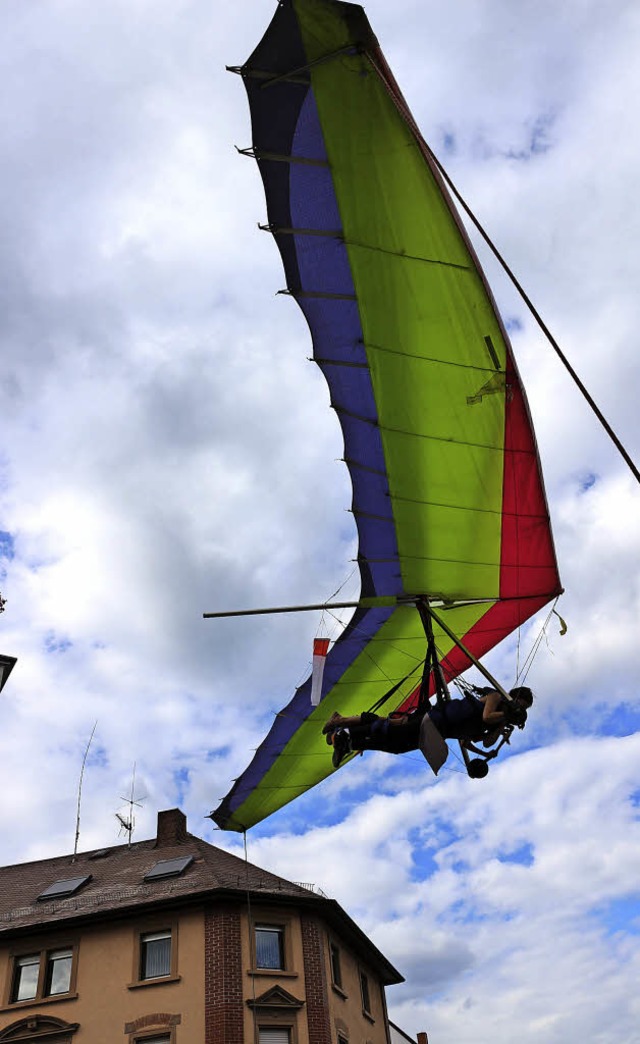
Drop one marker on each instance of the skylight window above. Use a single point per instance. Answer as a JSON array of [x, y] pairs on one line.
[[63, 888], [168, 868]]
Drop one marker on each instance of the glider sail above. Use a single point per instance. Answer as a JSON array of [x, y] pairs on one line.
[[447, 490]]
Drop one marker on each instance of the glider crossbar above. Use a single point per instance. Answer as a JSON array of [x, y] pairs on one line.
[[364, 603], [374, 602]]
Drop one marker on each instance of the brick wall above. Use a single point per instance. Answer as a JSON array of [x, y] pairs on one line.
[[315, 977], [223, 975], [172, 828]]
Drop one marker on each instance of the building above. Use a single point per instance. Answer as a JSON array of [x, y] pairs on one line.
[[398, 1036], [175, 941]]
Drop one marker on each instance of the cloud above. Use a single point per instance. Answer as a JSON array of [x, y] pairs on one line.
[[484, 910], [167, 450]]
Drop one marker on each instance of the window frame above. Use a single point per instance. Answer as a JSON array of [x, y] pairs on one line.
[[42, 949], [283, 921], [169, 925], [278, 1026], [363, 979], [337, 982], [153, 1037], [275, 929], [150, 955], [60, 953]]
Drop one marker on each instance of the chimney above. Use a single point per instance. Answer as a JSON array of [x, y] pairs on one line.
[[423, 1038], [172, 828]]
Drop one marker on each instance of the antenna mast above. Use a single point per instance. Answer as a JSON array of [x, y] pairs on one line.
[[84, 762], [128, 822]]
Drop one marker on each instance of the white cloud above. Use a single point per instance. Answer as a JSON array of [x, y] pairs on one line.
[[168, 450]]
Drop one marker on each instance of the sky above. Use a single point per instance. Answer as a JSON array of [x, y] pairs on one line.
[[167, 450]]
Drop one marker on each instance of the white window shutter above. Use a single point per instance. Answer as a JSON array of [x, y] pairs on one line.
[[274, 1036]]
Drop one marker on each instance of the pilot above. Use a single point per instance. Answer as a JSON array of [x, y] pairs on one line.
[[469, 719]]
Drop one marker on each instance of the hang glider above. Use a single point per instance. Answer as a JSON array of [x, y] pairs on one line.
[[448, 496]]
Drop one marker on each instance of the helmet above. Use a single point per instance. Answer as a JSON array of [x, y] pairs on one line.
[[522, 694]]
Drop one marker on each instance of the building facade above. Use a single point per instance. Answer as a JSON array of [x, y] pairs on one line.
[[174, 941]]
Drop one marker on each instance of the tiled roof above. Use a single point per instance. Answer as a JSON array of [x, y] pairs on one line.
[[117, 881]]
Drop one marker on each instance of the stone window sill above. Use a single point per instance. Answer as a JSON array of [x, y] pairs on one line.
[[37, 1001], [273, 973], [153, 982]]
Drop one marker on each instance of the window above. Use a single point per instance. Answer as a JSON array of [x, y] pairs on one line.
[[364, 990], [269, 947], [43, 973], [168, 868], [25, 977], [274, 1036], [58, 977], [165, 1038], [155, 954], [63, 889], [336, 971]]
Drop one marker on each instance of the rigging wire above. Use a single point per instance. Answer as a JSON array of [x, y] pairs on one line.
[[342, 585], [251, 937], [338, 622], [534, 312], [518, 652], [404, 652], [528, 663]]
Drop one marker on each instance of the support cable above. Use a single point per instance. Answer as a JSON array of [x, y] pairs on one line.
[[536, 315], [252, 942]]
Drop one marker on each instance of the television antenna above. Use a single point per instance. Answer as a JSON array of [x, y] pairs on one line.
[[84, 762], [127, 819]]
